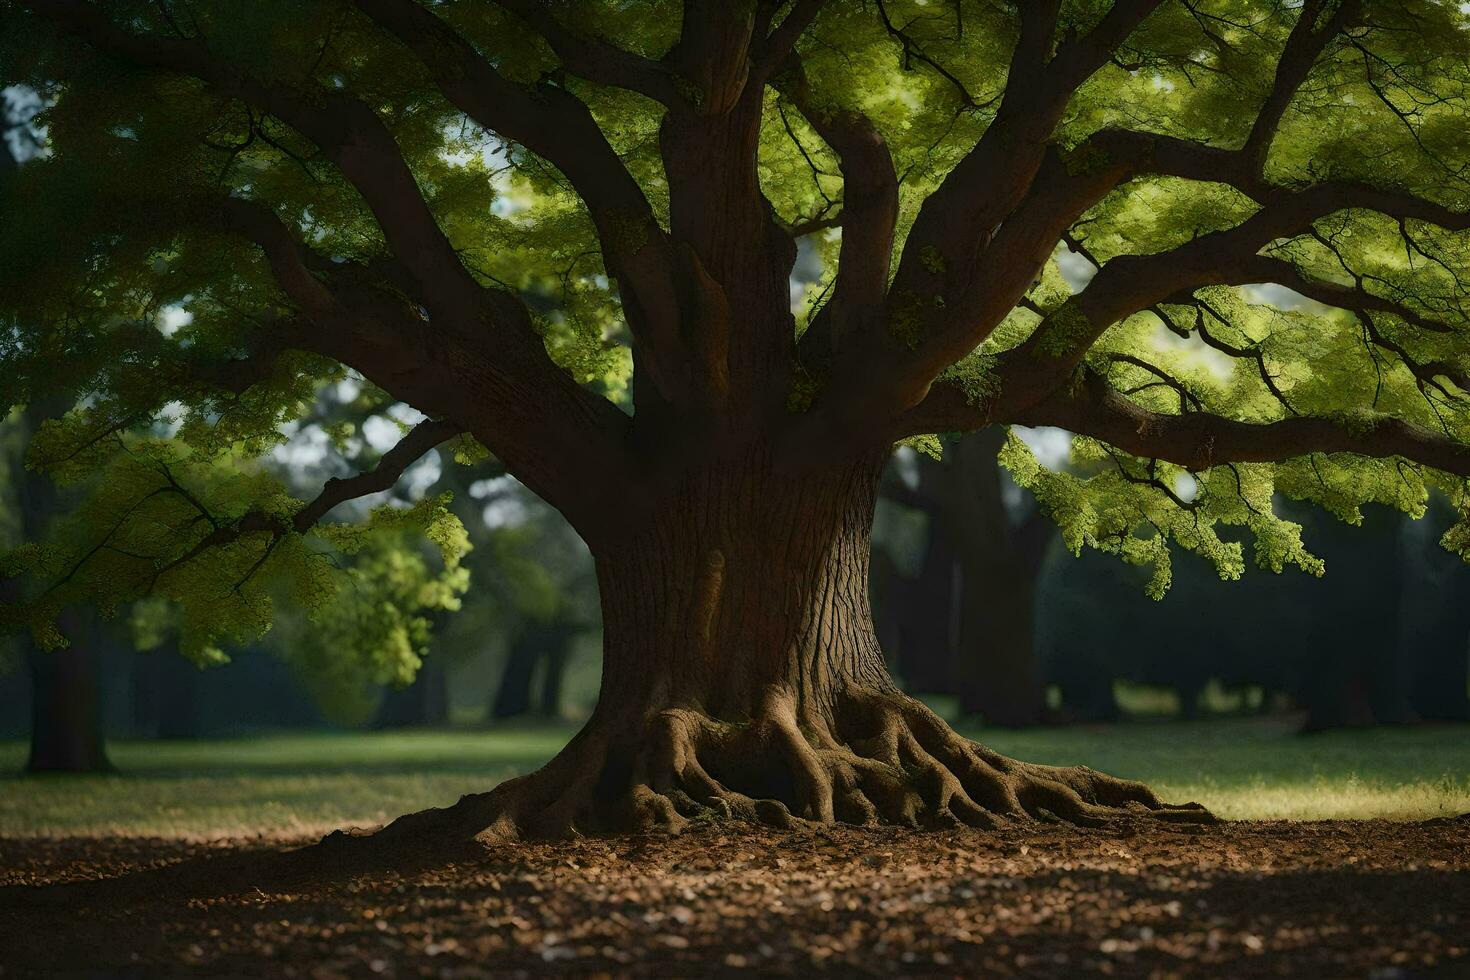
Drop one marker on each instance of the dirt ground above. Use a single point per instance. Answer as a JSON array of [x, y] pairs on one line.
[[1334, 899]]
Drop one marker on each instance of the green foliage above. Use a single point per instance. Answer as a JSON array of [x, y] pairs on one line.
[[375, 628], [118, 232], [1135, 509], [929, 444]]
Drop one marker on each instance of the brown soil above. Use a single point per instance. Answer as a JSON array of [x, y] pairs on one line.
[[1335, 899]]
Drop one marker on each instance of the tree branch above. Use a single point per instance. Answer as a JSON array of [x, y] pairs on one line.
[[1199, 440], [499, 382], [407, 451], [595, 59], [1303, 46], [772, 52], [869, 215], [346, 131], [1013, 183], [1193, 440], [556, 125], [419, 440], [1130, 283], [1262, 268]]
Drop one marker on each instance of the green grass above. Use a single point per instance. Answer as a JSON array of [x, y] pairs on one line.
[[1260, 769], [288, 785]]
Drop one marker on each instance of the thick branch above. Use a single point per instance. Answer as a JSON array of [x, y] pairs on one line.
[[595, 59], [1131, 283], [346, 131], [869, 214], [960, 216], [998, 209], [1134, 153], [485, 365], [1194, 440], [1199, 440], [781, 42], [956, 279], [517, 402], [555, 124]]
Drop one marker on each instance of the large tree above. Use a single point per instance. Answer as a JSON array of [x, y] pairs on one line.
[[378, 185]]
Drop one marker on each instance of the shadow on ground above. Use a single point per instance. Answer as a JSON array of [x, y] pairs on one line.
[[1369, 899]]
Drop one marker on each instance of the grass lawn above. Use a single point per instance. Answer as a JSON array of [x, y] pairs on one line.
[[288, 785]]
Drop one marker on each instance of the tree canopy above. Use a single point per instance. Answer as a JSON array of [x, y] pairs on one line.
[[564, 233]]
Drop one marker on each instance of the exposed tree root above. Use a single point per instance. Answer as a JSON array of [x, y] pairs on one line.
[[879, 758]]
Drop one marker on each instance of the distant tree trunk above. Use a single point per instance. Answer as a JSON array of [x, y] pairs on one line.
[[554, 673], [927, 616], [996, 670], [1357, 676], [996, 673], [969, 618], [66, 703], [1436, 637], [1337, 699], [1442, 682], [513, 696], [536, 645], [422, 704], [166, 692]]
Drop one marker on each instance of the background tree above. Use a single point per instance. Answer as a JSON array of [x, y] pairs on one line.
[[332, 184], [965, 622], [66, 697]]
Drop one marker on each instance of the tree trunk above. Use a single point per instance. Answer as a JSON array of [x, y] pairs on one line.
[[166, 693], [66, 707], [928, 624], [1440, 687], [425, 702], [513, 695], [742, 678], [996, 675], [555, 673], [66, 701]]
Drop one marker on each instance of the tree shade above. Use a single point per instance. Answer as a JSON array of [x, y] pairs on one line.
[[384, 187]]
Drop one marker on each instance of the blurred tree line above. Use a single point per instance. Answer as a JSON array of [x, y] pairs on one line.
[[977, 598], [502, 648]]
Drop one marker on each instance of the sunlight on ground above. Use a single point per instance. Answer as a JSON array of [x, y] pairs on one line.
[[294, 785]]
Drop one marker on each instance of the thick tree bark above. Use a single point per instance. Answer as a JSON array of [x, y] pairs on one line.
[[742, 678]]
